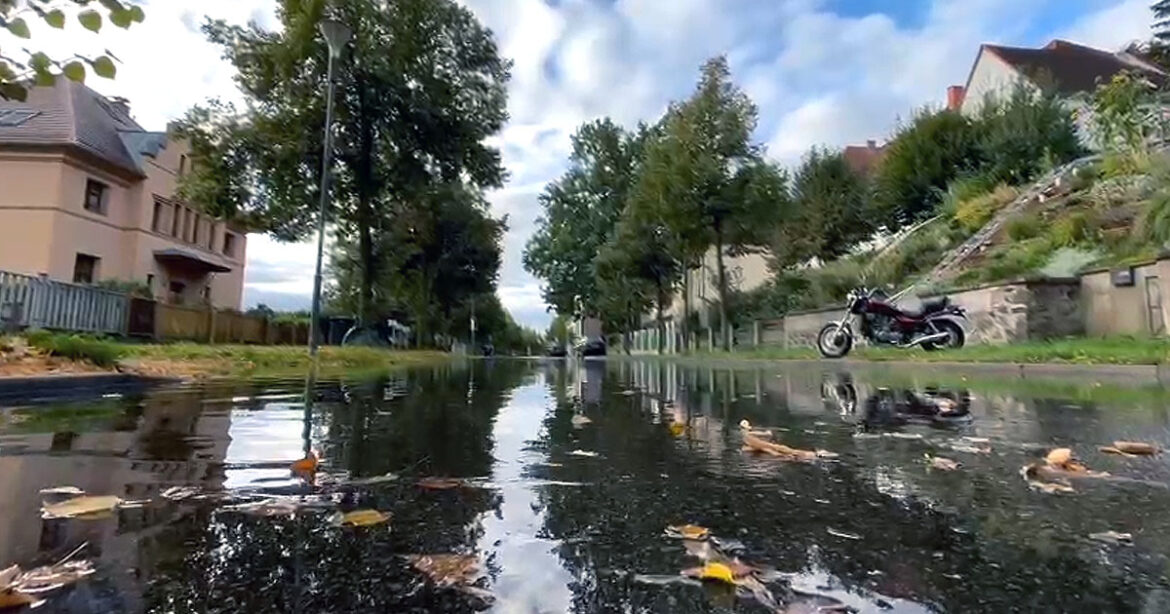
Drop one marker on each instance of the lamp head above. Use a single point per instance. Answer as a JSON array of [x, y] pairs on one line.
[[336, 36]]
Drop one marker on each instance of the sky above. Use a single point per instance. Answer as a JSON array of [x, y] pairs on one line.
[[822, 72]]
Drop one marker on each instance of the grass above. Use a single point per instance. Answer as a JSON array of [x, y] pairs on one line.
[[1084, 351], [197, 360]]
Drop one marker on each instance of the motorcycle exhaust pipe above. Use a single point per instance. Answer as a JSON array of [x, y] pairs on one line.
[[927, 339]]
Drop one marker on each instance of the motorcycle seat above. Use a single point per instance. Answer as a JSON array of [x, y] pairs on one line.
[[929, 307]]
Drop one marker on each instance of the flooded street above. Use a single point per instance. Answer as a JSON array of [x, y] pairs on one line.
[[559, 480]]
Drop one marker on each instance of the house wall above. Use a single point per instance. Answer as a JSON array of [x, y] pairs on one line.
[[744, 273], [44, 225], [990, 75], [1111, 311]]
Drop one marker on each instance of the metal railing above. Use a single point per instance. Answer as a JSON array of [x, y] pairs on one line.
[[38, 302]]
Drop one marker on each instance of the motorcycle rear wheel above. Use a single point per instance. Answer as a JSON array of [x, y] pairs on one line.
[[832, 342], [956, 338]]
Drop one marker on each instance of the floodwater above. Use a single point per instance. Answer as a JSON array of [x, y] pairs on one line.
[[564, 514]]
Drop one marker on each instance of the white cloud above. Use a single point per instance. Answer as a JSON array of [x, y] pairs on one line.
[[1114, 27]]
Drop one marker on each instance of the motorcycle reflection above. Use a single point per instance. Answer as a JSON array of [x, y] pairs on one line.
[[894, 407]]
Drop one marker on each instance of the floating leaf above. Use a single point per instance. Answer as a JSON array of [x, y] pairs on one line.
[[1112, 537], [1113, 450], [179, 493], [447, 569], [266, 508], [74, 71], [1059, 457], [1134, 447], [19, 28], [942, 464], [441, 483], [308, 464], [579, 421], [842, 534], [688, 531], [55, 18], [104, 67], [717, 572], [360, 518], [90, 20], [12, 598], [80, 507], [677, 429], [585, 453]]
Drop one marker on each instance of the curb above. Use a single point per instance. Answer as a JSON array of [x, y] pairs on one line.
[[73, 387]]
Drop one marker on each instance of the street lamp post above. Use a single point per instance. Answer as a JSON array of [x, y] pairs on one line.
[[336, 36]]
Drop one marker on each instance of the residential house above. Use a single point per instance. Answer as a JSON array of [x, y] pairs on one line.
[[88, 195], [864, 159], [1070, 69]]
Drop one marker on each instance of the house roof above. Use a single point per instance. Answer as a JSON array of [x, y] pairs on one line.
[[1068, 67], [71, 114], [863, 159]]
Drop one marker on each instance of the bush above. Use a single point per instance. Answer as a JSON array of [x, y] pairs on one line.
[[76, 347], [1016, 260], [1068, 261], [1025, 227], [1024, 135], [1124, 164], [1072, 229], [920, 162], [974, 213]]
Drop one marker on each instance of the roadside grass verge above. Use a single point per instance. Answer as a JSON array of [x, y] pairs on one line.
[[1085, 351], [81, 348]]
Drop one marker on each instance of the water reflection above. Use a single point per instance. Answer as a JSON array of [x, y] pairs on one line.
[[573, 471]]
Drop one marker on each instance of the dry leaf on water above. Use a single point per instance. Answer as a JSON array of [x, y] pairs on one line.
[[19, 588], [677, 429], [80, 507], [842, 534], [688, 531], [584, 453], [1059, 457], [307, 464], [1136, 448], [12, 598], [1113, 450], [441, 483], [360, 518], [1112, 537], [942, 464], [579, 420], [447, 569], [267, 508], [717, 572]]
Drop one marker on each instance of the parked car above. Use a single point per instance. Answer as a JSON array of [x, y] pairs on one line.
[[556, 350], [595, 347]]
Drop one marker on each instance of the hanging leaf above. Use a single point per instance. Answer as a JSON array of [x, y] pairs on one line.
[[45, 78], [360, 518], [121, 18], [19, 28], [104, 67], [137, 15], [74, 71], [90, 20], [40, 61], [13, 91], [55, 18]]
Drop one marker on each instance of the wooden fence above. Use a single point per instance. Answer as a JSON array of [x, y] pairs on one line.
[[36, 302]]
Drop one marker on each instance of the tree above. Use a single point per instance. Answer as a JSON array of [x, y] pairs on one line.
[[830, 211], [1020, 135], [1161, 9], [924, 156], [440, 252], [707, 181], [422, 90], [579, 213], [35, 66], [638, 269]]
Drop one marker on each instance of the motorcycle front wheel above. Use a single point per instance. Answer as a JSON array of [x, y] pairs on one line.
[[832, 342], [955, 337]]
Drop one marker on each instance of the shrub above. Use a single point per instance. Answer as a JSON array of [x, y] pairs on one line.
[[76, 347], [1024, 227], [1124, 164], [1072, 229], [972, 214], [920, 162], [1024, 135], [1068, 261], [1016, 260]]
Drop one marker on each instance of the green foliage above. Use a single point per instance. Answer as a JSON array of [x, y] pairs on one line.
[[974, 212], [1116, 164], [1024, 227], [1126, 113], [100, 352], [420, 91], [579, 213], [1023, 135], [1072, 229], [1068, 261], [140, 289], [924, 157], [35, 66], [829, 213]]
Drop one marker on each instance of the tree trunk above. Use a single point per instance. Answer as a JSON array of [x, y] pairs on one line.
[[366, 249], [365, 187], [724, 325], [660, 328]]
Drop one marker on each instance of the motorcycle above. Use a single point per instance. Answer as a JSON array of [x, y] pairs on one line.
[[934, 327]]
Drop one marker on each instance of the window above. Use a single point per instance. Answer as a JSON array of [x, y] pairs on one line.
[[229, 244], [150, 282], [95, 196], [182, 165], [211, 235], [156, 220], [177, 288], [85, 269], [176, 218]]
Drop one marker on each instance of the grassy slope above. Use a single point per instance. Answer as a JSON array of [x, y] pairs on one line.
[[1115, 351]]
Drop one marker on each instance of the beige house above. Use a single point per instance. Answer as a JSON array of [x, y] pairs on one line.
[[88, 195], [1070, 69]]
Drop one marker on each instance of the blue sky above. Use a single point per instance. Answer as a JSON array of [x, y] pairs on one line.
[[823, 72]]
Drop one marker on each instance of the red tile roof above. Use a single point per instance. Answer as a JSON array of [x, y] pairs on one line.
[[863, 159], [1068, 67]]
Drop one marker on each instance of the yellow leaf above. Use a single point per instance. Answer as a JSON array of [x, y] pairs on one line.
[[677, 429], [80, 506], [1059, 457], [307, 464], [688, 531], [361, 518], [12, 598], [718, 572]]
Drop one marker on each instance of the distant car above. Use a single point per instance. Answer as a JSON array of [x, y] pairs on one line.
[[557, 350], [488, 349], [593, 348]]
